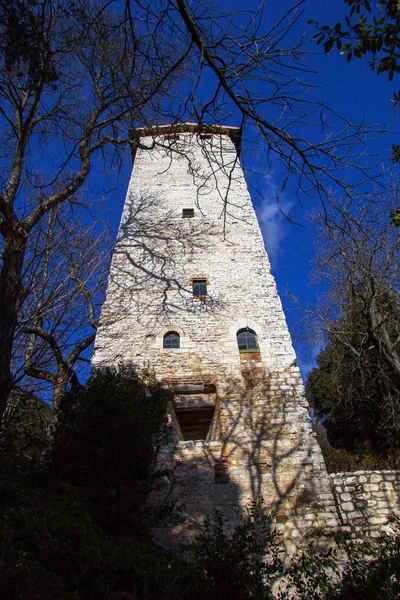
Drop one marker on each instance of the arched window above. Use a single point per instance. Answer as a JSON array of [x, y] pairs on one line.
[[247, 340], [171, 340]]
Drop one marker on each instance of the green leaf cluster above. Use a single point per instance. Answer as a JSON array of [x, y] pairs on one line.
[[353, 389], [369, 31]]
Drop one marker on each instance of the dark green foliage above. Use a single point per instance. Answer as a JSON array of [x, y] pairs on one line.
[[355, 389], [395, 214], [371, 30], [226, 566], [395, 156], [74, 524], [338, 459], [107, 438], [376, 579], [371, 571], [232, 567], [23, 439], [350, 421], [25, 43]]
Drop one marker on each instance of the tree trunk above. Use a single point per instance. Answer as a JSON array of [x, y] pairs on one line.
[[382, 341], [59, 386], [10, 298]]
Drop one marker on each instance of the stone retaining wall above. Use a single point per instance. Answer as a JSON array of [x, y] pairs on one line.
[[366, 500]]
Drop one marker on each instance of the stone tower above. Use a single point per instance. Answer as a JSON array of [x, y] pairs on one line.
[[191, 297]]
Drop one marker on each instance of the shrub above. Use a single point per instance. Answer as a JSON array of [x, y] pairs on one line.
[[74, 525], [338, 460], [225, 565], [373, 570], [368, 570], [106, 441]]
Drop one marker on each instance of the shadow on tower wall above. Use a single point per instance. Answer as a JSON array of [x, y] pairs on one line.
[[263, 452], [260, 447], [153, 252]]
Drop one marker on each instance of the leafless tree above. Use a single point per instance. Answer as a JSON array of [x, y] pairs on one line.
[[357, 382], [75, 80], [66, 92], [64, 279], [357, 254]]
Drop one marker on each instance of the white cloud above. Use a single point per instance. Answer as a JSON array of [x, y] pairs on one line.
[[271, 216]]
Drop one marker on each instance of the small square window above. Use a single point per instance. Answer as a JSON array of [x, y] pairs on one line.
[[187, 213], [199, 287]]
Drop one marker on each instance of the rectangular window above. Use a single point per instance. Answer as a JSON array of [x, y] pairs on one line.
[[187, 213], [206, 136], [195, 422], [199, 287]]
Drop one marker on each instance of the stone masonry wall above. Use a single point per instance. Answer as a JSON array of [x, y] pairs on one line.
[[366, 500], [266, 451], [158, 254], [259, 444]]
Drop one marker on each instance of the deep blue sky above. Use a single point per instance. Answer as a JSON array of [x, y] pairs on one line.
[[353, 90]]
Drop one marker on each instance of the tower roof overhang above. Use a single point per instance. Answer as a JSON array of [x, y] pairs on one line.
[[234, 133]]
